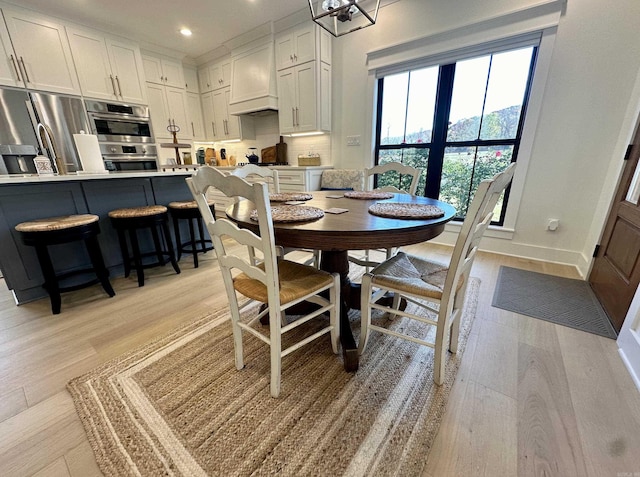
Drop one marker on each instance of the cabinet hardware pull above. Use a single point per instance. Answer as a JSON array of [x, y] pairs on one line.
[[113, 85], [293, 116], [193, 131], [15, 67], [24, 70], [119, 87], [295, 57], [213, 127], [291, 58], [297, 118]]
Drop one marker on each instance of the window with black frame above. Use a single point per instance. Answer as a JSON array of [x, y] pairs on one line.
[[460, 121]]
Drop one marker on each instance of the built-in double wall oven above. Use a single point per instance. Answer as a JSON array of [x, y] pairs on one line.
[[124, 134]]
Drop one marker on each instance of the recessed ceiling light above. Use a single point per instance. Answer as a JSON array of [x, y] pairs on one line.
[[186, 32]]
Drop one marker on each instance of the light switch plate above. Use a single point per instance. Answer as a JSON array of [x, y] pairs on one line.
[[353, 140]]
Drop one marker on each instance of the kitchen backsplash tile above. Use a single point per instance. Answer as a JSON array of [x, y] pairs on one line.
[[267, 134]]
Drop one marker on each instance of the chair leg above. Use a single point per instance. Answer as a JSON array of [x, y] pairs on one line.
[[334, 316], [176, 234], [365, 312], [95, 254], [156, 242], [137, 258], [172, 255], [192, 237], [50, 280], [126, 261], [442, 337], [276, 351], [203, 238]]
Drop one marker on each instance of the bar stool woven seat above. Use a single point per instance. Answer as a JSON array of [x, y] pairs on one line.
[[42, 233], [127, 221], [188, 210]]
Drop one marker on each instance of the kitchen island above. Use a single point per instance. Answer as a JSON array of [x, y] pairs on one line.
[[30, 197]]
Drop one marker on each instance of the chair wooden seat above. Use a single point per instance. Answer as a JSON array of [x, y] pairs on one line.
[[296, 281], [45, 232], [438, 289], [412, 274]]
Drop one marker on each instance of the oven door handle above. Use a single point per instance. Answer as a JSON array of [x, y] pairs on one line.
[[118, 158], [135, 119]]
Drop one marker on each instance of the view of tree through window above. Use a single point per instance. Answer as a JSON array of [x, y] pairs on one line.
[[460, 122]]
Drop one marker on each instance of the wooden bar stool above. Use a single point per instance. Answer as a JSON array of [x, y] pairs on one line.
[[44, 232], [152, 217], [188, 210]]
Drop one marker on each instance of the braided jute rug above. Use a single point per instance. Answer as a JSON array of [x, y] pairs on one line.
[[178, 406]]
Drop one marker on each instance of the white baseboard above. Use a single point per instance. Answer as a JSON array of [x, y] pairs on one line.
[[632, 371]]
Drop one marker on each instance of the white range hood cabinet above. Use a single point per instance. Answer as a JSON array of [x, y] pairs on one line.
[[253, 78]]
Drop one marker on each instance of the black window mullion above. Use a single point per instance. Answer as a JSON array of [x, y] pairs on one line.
[[440, 127]]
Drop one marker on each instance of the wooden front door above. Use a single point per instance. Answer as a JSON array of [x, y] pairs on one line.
[[616, 270]]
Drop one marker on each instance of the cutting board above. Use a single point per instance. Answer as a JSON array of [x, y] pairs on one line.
[[268, 154], [281, 154]]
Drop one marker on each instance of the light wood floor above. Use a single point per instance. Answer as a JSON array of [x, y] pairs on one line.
[[531, 398]]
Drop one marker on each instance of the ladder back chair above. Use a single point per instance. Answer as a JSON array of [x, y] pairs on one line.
[[370, 175], [276, 282], [272, 177], [426, 283]]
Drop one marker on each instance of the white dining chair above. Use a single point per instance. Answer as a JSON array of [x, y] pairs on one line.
[[364, 257], [272, 178], [276, 282], [433, 286]]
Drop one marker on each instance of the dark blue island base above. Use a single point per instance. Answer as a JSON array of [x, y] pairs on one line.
[[24, 198]]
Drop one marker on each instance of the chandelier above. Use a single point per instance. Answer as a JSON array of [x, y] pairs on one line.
[[340, 17]]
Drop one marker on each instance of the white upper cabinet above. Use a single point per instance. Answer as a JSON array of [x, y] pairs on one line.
[[191, 79], [108, 68], [9, 73], [302, 44], [219, 125], [194, 111], [215, 76], [42, 54], [167, 105], [162, 70], [304, 80]]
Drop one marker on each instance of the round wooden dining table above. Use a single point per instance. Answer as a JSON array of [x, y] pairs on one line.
[[355, 229]]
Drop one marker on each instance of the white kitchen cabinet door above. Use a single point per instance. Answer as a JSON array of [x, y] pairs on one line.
[[164, 71], [158, 110], [287, 100], [128, 70], [176, 102], [220, 74], [208, 116], [43, 53], [220, 115], [306, 94], [92, 63], [234, 130], [296, 46], [191, 80], [194, 111], [204, 79], [9, 73]]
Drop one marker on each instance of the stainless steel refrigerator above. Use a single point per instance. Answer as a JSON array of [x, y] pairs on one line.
[[45, 121]]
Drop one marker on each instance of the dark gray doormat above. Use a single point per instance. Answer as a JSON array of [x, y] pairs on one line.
[[564, 301]]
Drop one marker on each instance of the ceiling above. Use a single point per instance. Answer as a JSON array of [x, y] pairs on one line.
[[157, 22]]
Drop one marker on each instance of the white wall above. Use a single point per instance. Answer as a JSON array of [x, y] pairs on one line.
[[577, 145]]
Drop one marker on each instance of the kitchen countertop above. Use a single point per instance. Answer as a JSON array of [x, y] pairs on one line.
[[35, 179]]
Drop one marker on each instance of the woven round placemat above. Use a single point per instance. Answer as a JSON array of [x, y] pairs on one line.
[[373, 194], [292, 213], [401, 210], [285, 196]]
